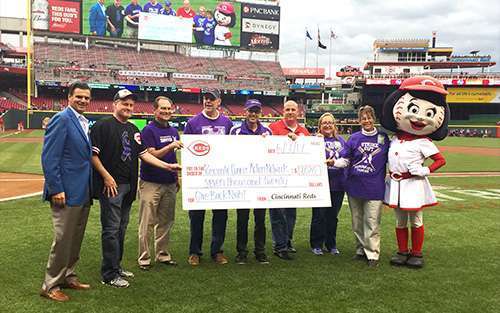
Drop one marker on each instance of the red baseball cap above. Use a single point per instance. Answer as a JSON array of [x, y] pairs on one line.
[[423, 83], [225, 7]]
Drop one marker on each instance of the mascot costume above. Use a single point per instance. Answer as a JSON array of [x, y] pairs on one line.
[[417, 112]]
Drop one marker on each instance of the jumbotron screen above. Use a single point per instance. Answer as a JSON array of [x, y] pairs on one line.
[[205, 23]]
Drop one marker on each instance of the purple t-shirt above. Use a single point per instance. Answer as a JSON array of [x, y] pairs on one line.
[[366, 172], [244, 130], [157, 136], [202, 125], [334, 147], [149, 8]]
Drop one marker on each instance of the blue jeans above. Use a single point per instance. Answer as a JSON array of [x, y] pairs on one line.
[[114, 220], [282, 226], [324, 223], [219, 221]]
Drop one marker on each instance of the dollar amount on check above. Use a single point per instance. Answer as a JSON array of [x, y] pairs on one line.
[[231, 172]]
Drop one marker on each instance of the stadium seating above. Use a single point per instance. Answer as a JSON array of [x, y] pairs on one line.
[[66, 62]]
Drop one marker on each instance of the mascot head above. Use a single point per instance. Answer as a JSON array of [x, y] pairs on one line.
[[418, 107], [224, 14]]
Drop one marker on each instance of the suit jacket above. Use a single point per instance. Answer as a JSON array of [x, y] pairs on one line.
[[66, 159], [97, 20]]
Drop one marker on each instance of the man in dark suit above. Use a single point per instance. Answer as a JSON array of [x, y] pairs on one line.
[[66, 156]]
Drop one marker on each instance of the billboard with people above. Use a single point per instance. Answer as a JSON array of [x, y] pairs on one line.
[[205, 23], [201, 22]]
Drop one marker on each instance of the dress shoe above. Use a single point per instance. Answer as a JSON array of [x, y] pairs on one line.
[[77, 285], [284, 255], [55, 294], [399, 259], [194, 260], [220, 258], [415, 261]]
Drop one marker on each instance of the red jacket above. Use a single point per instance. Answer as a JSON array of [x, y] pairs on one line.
[[281, 129]]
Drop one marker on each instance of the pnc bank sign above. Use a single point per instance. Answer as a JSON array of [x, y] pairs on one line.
[[265, 12]]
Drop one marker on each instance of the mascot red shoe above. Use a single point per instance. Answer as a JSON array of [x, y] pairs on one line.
[[417, 112]]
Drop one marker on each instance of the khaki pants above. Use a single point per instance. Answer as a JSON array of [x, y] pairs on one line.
[[69, 227], [157, 215], [366, 216], [416, 218]]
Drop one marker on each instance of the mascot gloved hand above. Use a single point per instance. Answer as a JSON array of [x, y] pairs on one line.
[[418, 113]]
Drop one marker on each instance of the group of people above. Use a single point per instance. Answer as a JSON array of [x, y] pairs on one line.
[[102, 163], [209, 27]]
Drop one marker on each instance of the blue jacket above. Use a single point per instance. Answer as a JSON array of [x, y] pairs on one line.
[[97, 20], [66, 156]]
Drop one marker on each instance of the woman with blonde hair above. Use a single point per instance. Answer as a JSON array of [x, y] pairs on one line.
[[366, 152], [324, 221]]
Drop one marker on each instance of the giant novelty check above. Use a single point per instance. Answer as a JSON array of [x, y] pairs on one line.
[[230, 172]]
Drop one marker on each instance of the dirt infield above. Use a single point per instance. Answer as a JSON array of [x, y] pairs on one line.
[[471, 150], [18, 185]]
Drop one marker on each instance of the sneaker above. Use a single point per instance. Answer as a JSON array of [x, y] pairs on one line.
[[145, 267], [284, 255], [194, 260], [399, 259], [334, 251], [291, 249], [372, 263], [262, 259], [117, 282], [317, 251], [220, 258], [241, 259], [125, 274]]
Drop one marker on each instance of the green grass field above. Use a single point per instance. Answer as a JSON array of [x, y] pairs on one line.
[[461, 254], [460, 249]]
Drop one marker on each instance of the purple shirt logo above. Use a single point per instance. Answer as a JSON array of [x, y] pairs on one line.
[[368, 150], [127, 150]]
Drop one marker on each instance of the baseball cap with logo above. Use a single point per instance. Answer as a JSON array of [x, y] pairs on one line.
[[225, 7], [124, 93], [252, 103], [215, 93], [423, 83]]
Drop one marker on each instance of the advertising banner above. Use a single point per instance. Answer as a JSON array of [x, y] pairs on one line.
[[260, 26], [473, 95], [64, 16], [40, 14], [230, 172], [202, 22], [262, 12]]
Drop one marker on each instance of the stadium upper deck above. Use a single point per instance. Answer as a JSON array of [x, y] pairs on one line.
[[119, 65]]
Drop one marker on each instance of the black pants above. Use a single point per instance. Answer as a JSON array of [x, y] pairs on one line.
[[324, 223], [259, 233], [219, 221]]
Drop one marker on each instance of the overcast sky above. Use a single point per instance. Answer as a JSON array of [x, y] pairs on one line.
[[465, 25]]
